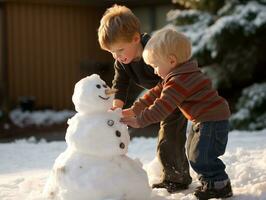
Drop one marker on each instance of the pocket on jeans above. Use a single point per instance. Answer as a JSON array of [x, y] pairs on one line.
[[221, 138]]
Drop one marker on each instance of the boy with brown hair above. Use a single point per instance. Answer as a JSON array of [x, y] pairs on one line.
[[119, 33], [185, 87]]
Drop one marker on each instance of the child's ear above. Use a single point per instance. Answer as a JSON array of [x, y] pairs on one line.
[[173, 60], [136, 38]]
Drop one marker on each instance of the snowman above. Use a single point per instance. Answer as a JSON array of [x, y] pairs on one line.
[[95, 165]]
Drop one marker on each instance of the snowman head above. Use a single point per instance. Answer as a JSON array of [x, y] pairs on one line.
[[101, 134], [91, 94]]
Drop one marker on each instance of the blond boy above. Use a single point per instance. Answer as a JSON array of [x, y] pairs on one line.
[[185, 87], [119, 33]]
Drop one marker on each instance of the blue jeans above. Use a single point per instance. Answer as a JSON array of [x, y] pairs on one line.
[[206, 142]]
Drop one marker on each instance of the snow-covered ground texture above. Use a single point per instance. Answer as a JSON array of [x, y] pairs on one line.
[[26, 164], [39, 118]]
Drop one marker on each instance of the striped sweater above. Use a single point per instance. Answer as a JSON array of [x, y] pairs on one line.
[[187, 88]]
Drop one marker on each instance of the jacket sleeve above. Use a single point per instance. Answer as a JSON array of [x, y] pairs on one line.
[[147, 99], [120, 82], [169, 100]]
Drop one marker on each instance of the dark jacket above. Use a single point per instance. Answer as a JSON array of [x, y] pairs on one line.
[[139, 72]]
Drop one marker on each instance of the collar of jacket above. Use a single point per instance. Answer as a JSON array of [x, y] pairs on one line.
[[187, 67], [144, 38]]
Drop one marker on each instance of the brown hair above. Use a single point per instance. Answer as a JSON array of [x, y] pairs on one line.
[[117, 24]]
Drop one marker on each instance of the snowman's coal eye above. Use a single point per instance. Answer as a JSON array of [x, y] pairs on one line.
[[110, 122], [122, 145], [98, 86], [118, 133], [105, 86]]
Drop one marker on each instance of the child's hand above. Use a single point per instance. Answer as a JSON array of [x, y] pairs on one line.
[[128, 113], [130, 121], [113, 108]]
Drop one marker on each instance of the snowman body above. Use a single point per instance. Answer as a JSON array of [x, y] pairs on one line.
[[95, 165], [79, 177]]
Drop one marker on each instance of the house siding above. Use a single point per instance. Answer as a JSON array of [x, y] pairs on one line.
[[45, 45]]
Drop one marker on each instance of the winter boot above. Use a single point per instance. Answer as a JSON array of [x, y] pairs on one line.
[[208, 191], [170, 186]]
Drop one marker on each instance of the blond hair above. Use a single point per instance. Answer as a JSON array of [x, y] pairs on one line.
[[118, 24], [167, 42]]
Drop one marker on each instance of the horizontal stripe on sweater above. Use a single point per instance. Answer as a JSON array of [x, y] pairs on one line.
[[187, 88]]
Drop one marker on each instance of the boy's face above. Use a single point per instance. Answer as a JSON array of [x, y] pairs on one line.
[[162, 67], [126, 52]]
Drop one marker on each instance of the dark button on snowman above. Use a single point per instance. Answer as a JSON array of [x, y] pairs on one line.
[[95, 165]]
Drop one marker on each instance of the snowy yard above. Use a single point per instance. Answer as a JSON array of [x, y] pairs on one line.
[[25, 166]]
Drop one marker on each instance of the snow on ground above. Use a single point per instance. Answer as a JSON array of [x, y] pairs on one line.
[[25, 165], [39, 118]]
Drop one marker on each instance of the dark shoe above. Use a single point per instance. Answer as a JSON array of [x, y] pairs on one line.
[[206, 191], [170, 186]]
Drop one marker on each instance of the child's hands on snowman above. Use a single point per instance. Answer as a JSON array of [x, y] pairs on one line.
[[117, 103], [128, 115], [129, 118], [128, 112], [130, 121]]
